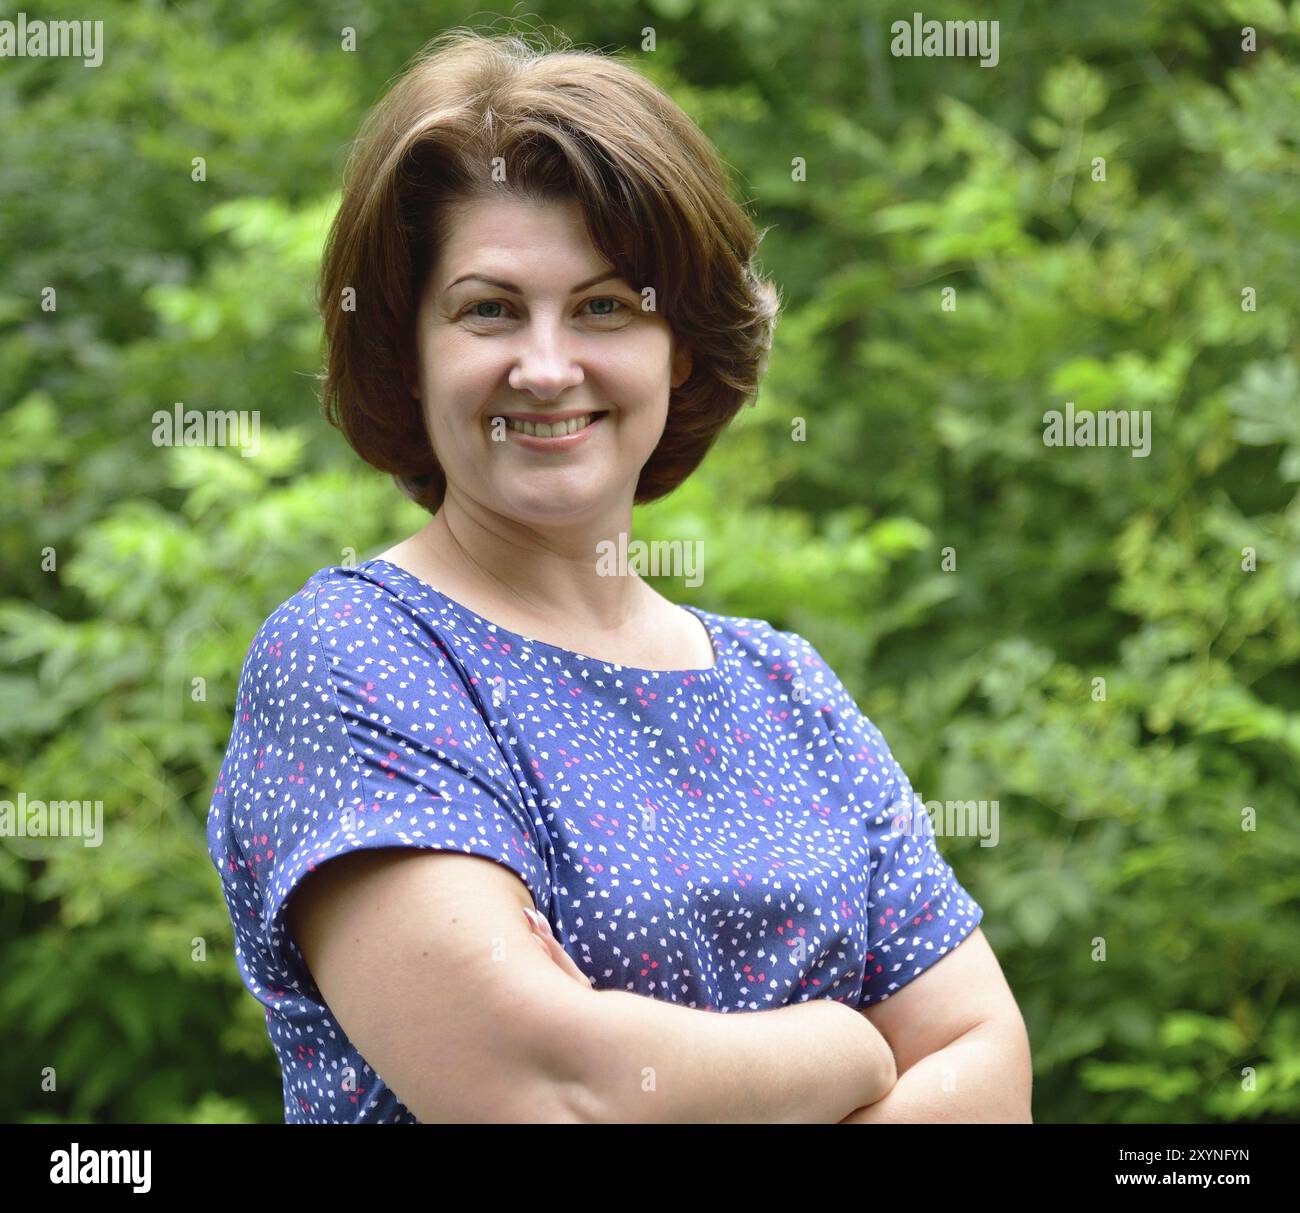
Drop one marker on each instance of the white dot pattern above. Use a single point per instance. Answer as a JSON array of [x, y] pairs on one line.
[[733, 839]]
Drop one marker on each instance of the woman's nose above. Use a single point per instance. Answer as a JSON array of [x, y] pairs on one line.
[[546, 365]]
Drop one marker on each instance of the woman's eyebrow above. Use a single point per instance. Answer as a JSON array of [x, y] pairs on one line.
[[515, 290]]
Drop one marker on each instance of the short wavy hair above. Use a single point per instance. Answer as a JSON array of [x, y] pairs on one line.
[[568, 125]]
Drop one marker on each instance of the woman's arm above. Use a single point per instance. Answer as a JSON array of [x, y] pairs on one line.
[[982, 1077], [425, 959], [777, 1066], [960, 1044], [647, 1061]]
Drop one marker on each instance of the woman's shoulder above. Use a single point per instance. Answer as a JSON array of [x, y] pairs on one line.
[[339, 611], [787, 659], [761, 635], [334, 592]]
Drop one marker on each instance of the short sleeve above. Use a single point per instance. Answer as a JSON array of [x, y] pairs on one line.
[[356, 730], [917, 909]]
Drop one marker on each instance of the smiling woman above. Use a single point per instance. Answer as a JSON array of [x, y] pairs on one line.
[[555, 316], [625, 192], [482, 377]]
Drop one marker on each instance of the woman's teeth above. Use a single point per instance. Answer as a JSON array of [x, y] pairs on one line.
[[556, 430]]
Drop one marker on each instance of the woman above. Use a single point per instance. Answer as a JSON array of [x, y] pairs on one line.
[[540, 308]]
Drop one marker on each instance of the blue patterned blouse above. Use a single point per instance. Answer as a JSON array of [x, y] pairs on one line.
[[732, 838]]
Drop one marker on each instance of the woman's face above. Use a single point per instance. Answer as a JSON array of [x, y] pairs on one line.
[[554, 334]]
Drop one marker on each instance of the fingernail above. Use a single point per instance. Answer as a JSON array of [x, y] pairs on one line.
[[539, 923]]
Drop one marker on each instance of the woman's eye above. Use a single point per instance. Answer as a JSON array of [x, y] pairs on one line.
[[499, 303]]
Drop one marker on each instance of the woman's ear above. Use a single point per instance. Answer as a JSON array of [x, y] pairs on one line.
[[410, 370], [682, 364]]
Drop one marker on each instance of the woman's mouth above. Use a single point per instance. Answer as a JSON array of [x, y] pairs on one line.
[[556, 435], [556, 429]]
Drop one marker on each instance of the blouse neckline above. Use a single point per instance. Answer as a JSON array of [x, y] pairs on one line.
[[702, 673]]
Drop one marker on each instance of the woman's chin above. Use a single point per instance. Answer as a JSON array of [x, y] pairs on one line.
[[556, 500]]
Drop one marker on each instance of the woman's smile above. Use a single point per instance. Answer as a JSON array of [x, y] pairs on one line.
[[561, 433]]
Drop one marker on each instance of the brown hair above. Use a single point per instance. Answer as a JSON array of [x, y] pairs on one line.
[[570, 124]]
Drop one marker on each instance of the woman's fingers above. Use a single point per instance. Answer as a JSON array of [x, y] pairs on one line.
[[567, 963], [551, 946]]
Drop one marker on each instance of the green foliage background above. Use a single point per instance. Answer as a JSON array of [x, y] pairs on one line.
[[1121, 818]]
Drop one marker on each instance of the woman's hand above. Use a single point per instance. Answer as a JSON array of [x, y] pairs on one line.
[[551, 946]]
